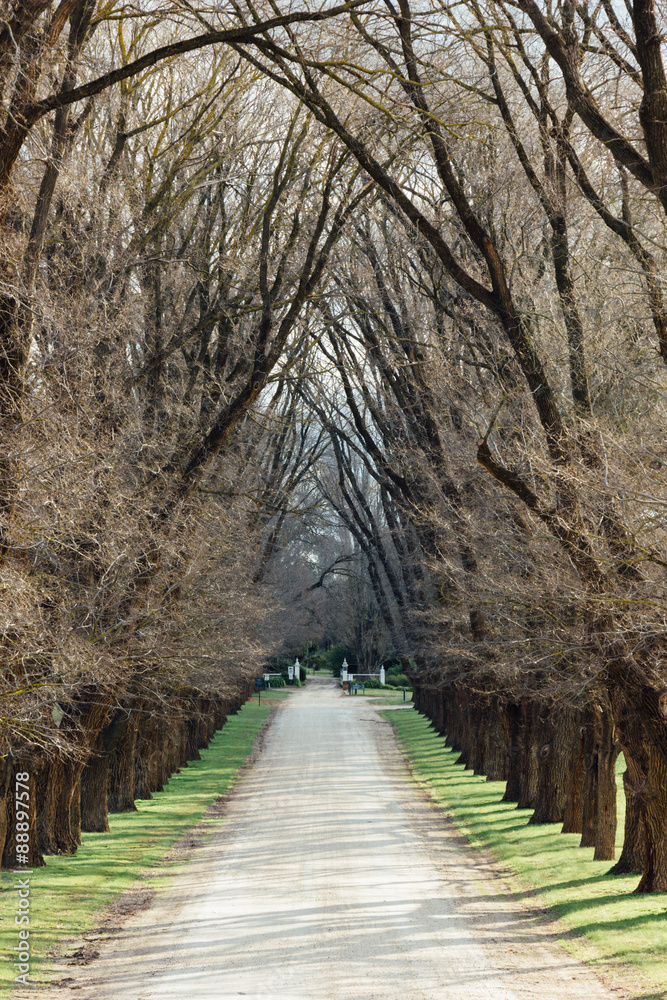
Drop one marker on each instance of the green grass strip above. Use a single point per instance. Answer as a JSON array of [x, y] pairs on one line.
[[387, 696], [606, 924], [68, 894]]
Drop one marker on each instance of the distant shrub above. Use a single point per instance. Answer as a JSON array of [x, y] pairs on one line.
[[394, 668], [284, 678], [398, 680], [335, 657], [394, 681]]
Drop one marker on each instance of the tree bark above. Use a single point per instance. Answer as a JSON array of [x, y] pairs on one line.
[[574, 804], [121, 765], [95, 776], [605, 828], [654, 813], [146, 764], [496, 758], [529, 770], [59, 781], [590, 793], [6, 773], [56, 786], [634, 839], [94, 794], [34, 855], [513, 751], [555, 740]]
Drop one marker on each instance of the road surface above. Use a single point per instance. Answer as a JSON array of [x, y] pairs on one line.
[[330, 877]]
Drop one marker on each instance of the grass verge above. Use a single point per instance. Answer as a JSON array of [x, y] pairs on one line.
[[68, 895], [605, 923], [389, 696]]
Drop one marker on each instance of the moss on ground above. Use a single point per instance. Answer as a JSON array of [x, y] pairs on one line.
[[606, 923], [68, 895]]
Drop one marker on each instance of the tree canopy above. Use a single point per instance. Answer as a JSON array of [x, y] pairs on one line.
[[335, 324]]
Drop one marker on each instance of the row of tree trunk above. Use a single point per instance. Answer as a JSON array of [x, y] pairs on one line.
[[561, 763], [124, 750]]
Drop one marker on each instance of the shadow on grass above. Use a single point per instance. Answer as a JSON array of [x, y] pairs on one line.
[[596, 909], [67, 894]]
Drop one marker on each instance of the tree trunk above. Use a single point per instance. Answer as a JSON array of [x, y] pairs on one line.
[[9, 854], [654, 814], [469, 733], [95, 776], [629, 718], [59, 782], [590, 794], [529, 772], [496, 760], [163, 759], [75, 813], [6, 773], [94, 795], [121, 766], [634, 839], [513, 751], [605, 828], [55, 789], [555, 741], [574, 804], [454, 722], [146, 776], [479, 735], [192, 735], [437, 712]]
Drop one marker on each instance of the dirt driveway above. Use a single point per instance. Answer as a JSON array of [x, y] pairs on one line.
[[330, 876]]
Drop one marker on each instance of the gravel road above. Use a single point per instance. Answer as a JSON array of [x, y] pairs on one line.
[[331, 876]]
